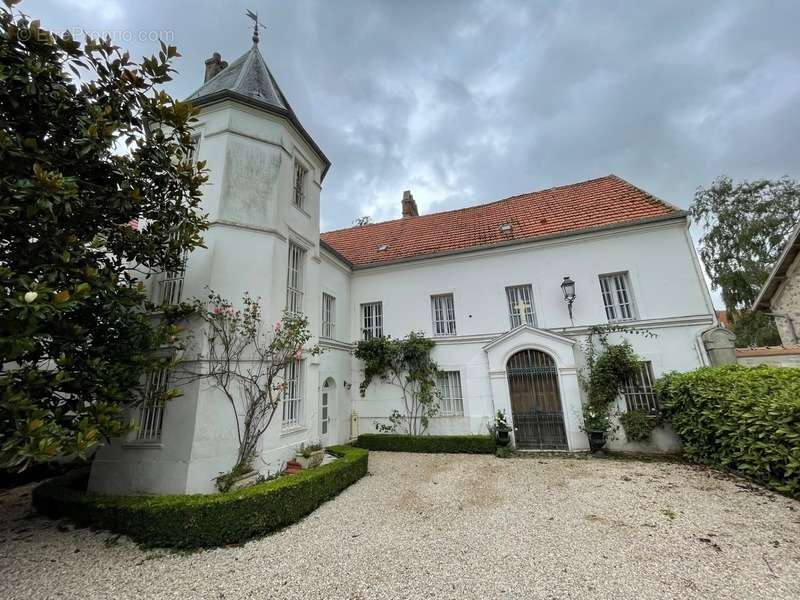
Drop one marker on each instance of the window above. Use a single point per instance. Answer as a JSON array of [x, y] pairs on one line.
[[293, 395], [300, 176], [328, 315], [451, 403], [638, 391], [444, 315], [151, 414], [372, 320], [170, 285], [520, 305], [617, 297], [294, 282]]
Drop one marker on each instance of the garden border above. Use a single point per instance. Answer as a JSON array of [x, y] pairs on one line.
[[452, 444], [203, 520]]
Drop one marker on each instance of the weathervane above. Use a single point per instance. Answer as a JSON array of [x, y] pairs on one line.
[[256, 24]]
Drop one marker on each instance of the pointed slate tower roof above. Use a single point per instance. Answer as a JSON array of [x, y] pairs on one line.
[[248, 80]]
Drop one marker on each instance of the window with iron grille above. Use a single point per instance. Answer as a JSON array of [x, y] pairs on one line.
[[451, 402], [151, 413], [444, 314], [300, 176], [520, 305], [293, 395], [294, 280], [617, 297], [639, 392], [328, 316], [171, 285], [372, 320]]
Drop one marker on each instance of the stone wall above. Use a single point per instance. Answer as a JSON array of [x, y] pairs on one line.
[[786, 301]]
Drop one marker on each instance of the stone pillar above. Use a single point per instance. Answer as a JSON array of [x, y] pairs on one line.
[[720, 343]]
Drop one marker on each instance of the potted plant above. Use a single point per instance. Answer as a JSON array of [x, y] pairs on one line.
[[310, 456], [502, 429], [596, 424]]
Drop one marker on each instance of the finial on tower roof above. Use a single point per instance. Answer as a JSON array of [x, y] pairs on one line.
[[256, 24]]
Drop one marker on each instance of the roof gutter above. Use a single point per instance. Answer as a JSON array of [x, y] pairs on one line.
[[223, 95], [674, 216]]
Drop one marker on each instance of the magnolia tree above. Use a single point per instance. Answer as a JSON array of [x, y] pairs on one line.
[[407, 364], [247, 360]]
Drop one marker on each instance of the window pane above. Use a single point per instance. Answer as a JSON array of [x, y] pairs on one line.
[[372, 320], [294, 278], [520, 305], [639, 392], [617, 297], [448, 384], [444, 315]]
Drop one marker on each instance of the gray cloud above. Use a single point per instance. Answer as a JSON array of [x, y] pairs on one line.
[[467, 102]]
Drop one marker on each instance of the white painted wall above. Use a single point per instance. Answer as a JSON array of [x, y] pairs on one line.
[[670, 295], [250, 156]]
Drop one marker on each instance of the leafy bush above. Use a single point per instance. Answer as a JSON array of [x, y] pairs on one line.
[[638, 424], [454, 444], [203, 520], [739, 418]]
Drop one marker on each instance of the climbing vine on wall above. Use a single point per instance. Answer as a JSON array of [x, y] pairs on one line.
[[407, 364]]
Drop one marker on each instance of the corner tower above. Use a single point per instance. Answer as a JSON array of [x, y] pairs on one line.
[[262, 200]]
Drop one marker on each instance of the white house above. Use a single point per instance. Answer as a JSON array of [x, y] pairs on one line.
[[484, 282]]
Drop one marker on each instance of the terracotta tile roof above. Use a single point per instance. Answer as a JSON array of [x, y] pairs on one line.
[[590, 204], [767, 351]]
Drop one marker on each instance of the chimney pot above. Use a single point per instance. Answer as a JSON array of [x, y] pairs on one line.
[[214, 65], [409, 205]]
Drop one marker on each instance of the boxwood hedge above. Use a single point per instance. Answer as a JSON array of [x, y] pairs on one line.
[[203, 520], [467, 444], [740, 418]]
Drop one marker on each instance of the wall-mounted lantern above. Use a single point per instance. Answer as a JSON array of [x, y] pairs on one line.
[[568, 287]]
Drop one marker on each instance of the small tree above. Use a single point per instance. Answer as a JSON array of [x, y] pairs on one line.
[[88, 143], [407, 364], [745, 226], [247, 361]]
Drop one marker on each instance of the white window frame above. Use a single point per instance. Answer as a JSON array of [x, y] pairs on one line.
[[292, 405], [294, 278], [617, 295], [639, 391], [443, 315], [328, 315], [451, 394], [371, 320], [151, 412], [516, 297], [300, 184]]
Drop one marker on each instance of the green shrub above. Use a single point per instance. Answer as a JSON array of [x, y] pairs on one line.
[[739, 418], [203, 520], [465, 444], [638, 424]]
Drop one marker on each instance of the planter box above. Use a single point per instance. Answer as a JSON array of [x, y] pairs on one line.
[[244, 481], [312, 461]]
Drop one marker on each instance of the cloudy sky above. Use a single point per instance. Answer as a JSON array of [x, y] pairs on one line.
[[467, 102]]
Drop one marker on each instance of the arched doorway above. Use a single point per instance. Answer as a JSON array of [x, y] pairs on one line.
[[326, 410], [536, 401]]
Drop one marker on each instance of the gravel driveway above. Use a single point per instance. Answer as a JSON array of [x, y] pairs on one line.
[[439, 526]]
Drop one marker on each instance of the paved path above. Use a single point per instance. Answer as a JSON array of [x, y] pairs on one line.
[[439, 526]]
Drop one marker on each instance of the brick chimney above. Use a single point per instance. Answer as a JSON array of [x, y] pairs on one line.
[[214, 65], [409, 205]]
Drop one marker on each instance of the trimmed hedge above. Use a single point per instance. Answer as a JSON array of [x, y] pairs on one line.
[[746, 419], [203, 520], [463, 444]]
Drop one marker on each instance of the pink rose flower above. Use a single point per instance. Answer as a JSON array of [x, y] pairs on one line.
[[216, 310], [277, 326]]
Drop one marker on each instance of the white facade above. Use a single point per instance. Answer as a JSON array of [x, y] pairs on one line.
[[252, 155]]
